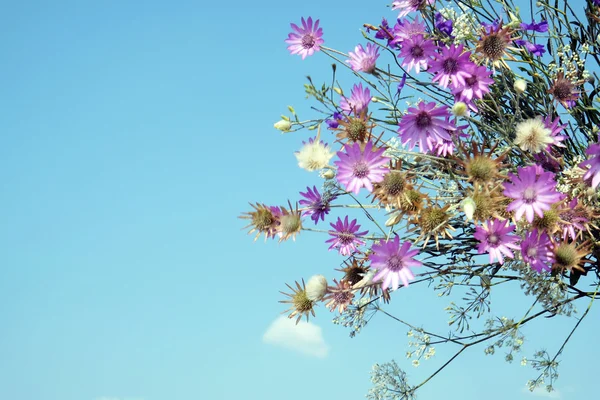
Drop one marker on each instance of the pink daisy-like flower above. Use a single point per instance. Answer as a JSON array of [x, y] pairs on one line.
[[496, 239], [534, 191], [364, 60], [593, 172], [555, 130], [406, 29], [306, 40], [357, 169], [408, 6], [535, 249], [393, 262], [477, 84], [346, 236], [359, 100], [417, 52], [445, 147], [451, 66], [573, 220], [425, 125]]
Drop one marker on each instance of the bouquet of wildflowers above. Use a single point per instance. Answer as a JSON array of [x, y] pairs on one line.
[[469, 141]]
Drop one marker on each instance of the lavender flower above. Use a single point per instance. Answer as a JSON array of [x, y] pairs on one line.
[[452, 64], [535, 249], [443, 25], [306, 40], [364, 60], [317, 206], [359, 100], [392, 262], [533, 192], [417, 52], [593, 172], [535, 49], [496, 239], [426, 125], [408, 6], [345, 236], [540, 27], [358, 169]]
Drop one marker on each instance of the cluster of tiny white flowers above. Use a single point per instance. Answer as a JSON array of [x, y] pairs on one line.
[[423, 348], [463, 25], [571, 64]]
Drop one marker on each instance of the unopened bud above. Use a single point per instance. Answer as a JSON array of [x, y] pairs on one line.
[[468, 206], [329, 174], [460, 109], [393, 220], [338, 91], [520, 86], [283, 125]]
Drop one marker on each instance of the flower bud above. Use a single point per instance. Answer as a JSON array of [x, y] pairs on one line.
[[520, 86], [316, 287], [338, 91], [283, 125], [468, 206], [394, 219], [460, 109], [329, 174]]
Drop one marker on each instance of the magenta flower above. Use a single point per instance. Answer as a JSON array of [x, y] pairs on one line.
[[357, 169], [446, 146], [426, 125], [408, 6], [477, 84], [534, 191], [359, 100], [417, 52], [306, 40], [535, 249], [496, 239], [392, 262], [317, 207], [364, 60], [345, 236], [451, 65], [593, 172]]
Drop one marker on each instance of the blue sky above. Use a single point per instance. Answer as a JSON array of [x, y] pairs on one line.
[[133, 133]]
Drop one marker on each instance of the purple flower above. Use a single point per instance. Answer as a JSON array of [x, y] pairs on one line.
[[594, 163], [452, 64], [383, 31], [393, 262], [306, 40], [417, 52], [445, 146], [534, 191], [408, 6], [535, 49], [357, 169], [362, 60], [317, 207], [401, 84], [571, 218], [345, 236], [535, 249], [443, 25], [333, 123], [493, 26], [540, 27], [496, 239], [426, 125], [477, 84], [405, 29], [359, 100]]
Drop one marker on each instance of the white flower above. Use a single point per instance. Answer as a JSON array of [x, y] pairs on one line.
[[532, 135], [283, 125], [520, 86], [468, 205], [316, 287], [314, 155]]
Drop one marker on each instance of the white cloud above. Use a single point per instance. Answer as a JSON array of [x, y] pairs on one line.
[[305, 337], [542, 392]]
